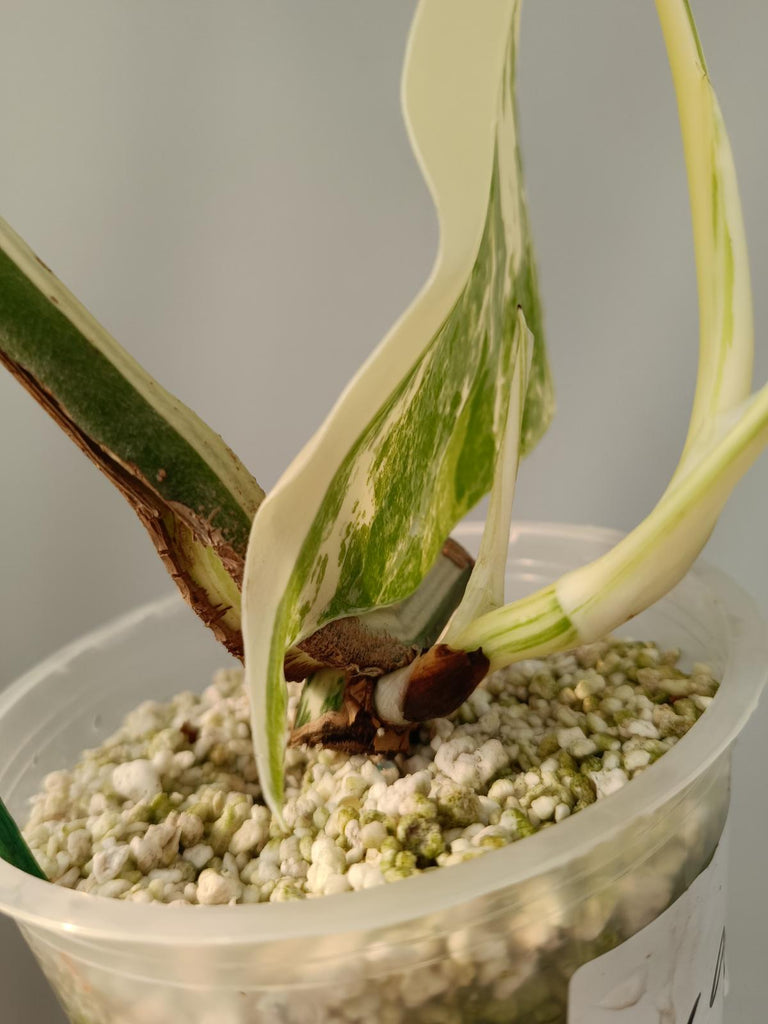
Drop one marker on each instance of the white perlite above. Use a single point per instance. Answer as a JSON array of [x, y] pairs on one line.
[[168, 809]]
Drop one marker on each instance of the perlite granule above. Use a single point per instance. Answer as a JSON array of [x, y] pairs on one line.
[[169, 809]]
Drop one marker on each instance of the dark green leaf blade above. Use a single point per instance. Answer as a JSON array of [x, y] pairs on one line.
[[13, 847]]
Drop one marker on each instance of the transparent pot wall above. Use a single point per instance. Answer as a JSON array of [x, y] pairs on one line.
[[507, 957], [462, 952]]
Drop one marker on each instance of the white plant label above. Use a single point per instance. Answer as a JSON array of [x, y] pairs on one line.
[[671, 972]]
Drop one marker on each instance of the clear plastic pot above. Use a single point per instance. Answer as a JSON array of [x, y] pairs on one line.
[[494, 939]]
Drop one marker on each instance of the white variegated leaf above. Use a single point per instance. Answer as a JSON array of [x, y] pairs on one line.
[[728, 428], [359, 518]]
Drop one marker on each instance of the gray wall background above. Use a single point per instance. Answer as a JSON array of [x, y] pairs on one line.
[[229, 188]]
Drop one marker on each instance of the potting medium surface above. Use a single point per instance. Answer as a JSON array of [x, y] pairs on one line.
[[169, 808]]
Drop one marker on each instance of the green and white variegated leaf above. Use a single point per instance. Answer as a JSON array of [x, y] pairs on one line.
[[359, 518], [726, 337], [728, 428], [485, 589], [321, 693], [194, 496]]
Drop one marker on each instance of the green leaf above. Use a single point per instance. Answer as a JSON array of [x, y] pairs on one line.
[[359, 518], [13, 847], [194, 496]]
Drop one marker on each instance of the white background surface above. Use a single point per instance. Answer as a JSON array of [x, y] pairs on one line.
[[229, 188]]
